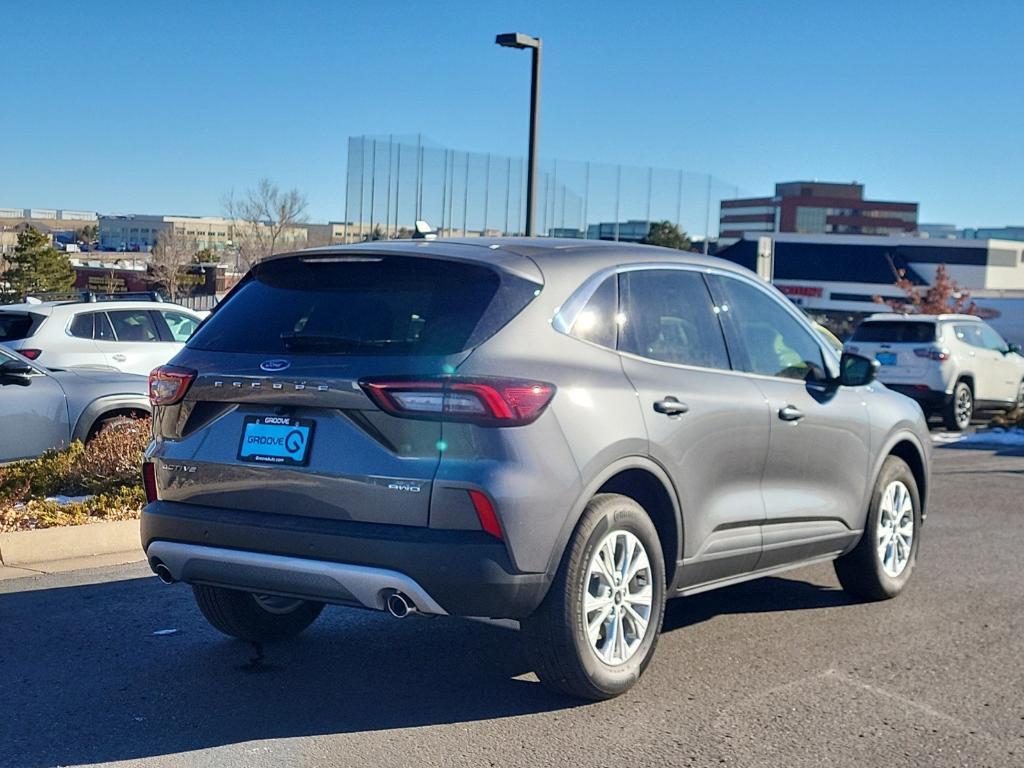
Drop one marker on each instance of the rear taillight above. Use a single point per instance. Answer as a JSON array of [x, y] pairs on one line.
[[932, 353], [485, 401], [485, 513], [169, 383], [149, 481], [31, 354]]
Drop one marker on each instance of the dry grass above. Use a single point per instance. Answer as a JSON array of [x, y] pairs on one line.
[[108, 469], [1014, 418]]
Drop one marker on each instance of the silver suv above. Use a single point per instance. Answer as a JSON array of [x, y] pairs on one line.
[[559, 433], [953, 365]]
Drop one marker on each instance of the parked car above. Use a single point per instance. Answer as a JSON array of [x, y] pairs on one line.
[[42, 409], [558, 433], [127, 336], [953, 365]]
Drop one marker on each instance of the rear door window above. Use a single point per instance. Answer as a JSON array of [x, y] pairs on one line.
[[668, 315], [103, 330], [133, 326], [895, 332], [15, 326], [81, 326], [364, 305]]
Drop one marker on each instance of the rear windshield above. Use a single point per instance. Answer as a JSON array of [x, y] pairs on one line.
[[363, 305], [895, 331], [18, 325]]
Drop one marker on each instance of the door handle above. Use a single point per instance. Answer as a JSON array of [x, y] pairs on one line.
[[671, 406], [119, 358], [790, 413]]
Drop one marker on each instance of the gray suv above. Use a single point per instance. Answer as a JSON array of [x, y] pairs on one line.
[[562, 433]]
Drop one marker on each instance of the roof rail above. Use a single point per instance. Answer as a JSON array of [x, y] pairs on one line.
[[88, 297]]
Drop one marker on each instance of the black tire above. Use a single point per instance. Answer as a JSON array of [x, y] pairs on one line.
[[556, 634], [241, 614], [954, 417], [108, 421], [861, 571]]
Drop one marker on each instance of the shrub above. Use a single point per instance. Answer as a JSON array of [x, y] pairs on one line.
[[108, 470], [1014, 418]]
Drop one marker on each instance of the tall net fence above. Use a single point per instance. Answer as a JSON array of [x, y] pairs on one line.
[[394, 181]]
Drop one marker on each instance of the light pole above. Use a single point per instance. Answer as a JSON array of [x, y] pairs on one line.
[[519, 40]]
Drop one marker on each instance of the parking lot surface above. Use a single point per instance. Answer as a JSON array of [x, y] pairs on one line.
[[781, 671]]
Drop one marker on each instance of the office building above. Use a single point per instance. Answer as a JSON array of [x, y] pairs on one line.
[[812, 207]]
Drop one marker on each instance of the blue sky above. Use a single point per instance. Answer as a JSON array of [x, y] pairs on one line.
[[164, 107]]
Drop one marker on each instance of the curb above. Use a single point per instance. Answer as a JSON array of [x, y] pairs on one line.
[[34, 548]]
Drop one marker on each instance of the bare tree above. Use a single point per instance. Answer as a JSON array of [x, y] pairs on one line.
[[262, 220], [172, 255]]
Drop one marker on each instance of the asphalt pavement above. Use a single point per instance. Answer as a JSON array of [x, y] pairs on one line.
[[778, 672]]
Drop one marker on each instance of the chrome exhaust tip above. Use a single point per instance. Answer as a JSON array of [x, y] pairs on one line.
[[399, 605], [163, 573]]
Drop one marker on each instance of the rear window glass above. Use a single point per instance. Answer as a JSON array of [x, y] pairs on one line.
[[895, 332], [18, 325], [363, 305]]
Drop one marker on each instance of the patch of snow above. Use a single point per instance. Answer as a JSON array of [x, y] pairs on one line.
[[996, 436], [64, 500]]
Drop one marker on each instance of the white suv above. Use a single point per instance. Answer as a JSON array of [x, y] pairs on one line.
[[128, 336], [952, 365]]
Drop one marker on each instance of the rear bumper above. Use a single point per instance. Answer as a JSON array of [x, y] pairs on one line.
[[929, 399], [463, 573]]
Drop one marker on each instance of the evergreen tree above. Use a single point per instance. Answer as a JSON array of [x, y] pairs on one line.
[[34, 267], [667, 235]]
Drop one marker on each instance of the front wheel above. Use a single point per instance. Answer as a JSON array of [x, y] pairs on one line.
[[257, 618], [881, 564], [597, 629]]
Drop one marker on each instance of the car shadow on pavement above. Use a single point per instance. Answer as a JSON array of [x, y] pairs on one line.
[[84, 679], [767, 595]]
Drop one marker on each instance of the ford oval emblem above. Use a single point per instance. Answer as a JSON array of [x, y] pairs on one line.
[[274, 365]]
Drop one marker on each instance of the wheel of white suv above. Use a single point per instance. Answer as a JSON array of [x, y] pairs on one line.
[[960, 409], [882, 563], [257, 618], [597, 629]]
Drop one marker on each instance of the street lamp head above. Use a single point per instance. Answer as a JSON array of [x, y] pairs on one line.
[[517, 40]]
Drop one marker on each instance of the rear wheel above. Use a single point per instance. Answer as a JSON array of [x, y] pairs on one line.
[[960, 409], [258, 618], [881, 564], [597, 629]]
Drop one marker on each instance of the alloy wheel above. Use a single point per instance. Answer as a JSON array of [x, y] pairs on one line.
[[964, 406], [895, 530], [617, 597]]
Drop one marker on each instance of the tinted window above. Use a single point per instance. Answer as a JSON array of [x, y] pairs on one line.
[[103, 330], [133, 325], [895, 332], [667, 315], [81, 326], [181, 326], [596, 321], [364, 305], [18, 325], [764, 337]]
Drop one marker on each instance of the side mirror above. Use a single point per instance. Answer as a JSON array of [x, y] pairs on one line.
[[1015, 348], [856, 370], [16, 372]]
